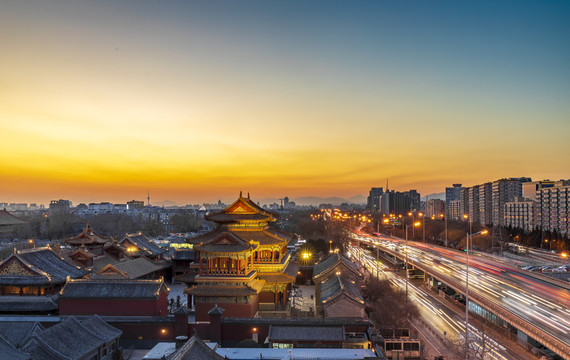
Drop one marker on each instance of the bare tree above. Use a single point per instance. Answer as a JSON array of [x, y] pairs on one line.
[[479, 344], [389, 307]]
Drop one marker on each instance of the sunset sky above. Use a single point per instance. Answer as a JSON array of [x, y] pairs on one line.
[[196, 100]]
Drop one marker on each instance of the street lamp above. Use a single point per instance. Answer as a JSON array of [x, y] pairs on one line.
[[423, 225], [549, 243], [406, 260], [444, 216], [466, 217], [413, 221], [469, 236]]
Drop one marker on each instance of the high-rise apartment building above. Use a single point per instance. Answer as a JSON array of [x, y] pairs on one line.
[[373, 203], [412, 200], [435, 208], [503, 191], [453, 194], [394, 202], [473, 203], [485, 203], [520, 214], [463, 203], [553, 207]]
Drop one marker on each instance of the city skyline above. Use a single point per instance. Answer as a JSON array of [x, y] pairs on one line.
[[201, 100]]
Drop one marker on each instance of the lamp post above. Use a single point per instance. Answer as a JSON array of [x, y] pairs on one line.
[[406, 261], [549, 242], [444, 216], [413, 221], [469, 236], [424, 225]]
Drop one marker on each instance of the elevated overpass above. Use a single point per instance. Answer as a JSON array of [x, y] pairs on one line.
[[534, 305]]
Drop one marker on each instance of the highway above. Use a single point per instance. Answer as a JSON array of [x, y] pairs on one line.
[[543, 304], [448, 323]]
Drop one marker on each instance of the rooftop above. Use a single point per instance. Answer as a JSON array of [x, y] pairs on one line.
[[144, 244], [305, 333], [112, 289]]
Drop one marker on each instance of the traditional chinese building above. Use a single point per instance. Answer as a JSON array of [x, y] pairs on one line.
[[115, 297], [337, 287], [139, 245], [88, 238], [243, 264], [36, 272]]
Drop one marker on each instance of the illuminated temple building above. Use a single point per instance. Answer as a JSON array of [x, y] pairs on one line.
[[244, 266]]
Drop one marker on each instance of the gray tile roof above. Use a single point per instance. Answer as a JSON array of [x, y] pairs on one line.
[[332, 260], [39, 350], [139, 267], [18, 333], [195, 349], [8, 352], [20, 304], [338, 285], [105, 331], [306, 333], [70, 339], [144, 243], [49, 262], [216, 310], [8, 219], [112, 289]]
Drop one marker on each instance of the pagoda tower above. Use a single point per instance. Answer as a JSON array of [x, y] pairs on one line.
[[244, 263]]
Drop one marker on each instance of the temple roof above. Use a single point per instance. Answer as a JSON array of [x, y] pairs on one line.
[[39, 266], [82, 252], [71, 339], [144, 244], [195, 349], [131, 268], [27, 304], [288, 275], [243, 209], [7, 351], [337, 286], [328, 263], [8, 219], [216, 310], [251, 288], [18, 332], [112, 289], [228, 242], [264, 236], [87, 237], [48, 261]]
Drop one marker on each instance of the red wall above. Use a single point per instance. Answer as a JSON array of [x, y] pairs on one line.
[[231, 309], [234, 333], [115, 307], [146, 330], [266, 297]]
